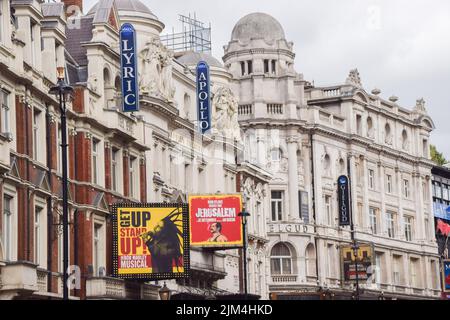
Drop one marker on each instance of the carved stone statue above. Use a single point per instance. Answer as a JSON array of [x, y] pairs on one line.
[[151, 68], [156, 75], [225, 115], [420, 106], [167, 88]]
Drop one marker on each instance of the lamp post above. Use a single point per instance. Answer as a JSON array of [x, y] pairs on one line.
[[62, 91], [164, 293], [244, 215]]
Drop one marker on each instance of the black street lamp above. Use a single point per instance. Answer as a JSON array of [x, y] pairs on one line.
[[164, 293], [244, 215], [63, 91]]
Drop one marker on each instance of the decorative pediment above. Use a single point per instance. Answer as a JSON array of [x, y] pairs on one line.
[[100, 201], [14, 171]]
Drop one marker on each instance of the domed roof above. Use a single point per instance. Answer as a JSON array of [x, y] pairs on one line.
[[257, 25], [135, 6], [191, 58]]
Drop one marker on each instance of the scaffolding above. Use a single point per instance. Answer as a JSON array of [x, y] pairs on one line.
[[194, 37]]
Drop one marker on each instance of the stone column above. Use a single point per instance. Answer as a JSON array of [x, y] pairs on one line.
[[399, 232], [293, 178], [366, 222], [419, 221]]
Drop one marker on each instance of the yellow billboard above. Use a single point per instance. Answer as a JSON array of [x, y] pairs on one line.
[[150, 241]]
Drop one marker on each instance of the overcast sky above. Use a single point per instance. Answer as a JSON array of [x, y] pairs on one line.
[[401, 47]]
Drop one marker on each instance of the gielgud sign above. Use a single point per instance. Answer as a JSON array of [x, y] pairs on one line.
[[150, 241], [215, 221]]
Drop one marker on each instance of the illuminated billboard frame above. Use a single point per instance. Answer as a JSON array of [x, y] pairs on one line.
[[170, 216], [203, 226]]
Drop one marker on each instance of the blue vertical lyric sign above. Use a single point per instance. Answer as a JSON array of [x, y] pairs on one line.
[[203, 97], [344, 201], [128, 64]]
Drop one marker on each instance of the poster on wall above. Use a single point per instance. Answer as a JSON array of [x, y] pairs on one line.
[[150, 241], [364, 261], [446, 275], [215, 221]]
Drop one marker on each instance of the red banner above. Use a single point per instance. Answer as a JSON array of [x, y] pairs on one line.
[[215, 221]]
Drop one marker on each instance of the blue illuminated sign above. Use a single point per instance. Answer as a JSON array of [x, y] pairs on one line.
[[128, 63], [203, 97], [344, 201]]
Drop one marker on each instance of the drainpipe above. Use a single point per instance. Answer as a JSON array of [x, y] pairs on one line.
[[49, 199], [313, 196]]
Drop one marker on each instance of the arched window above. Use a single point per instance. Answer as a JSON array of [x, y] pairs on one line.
[[387, 134], [108, 89], [326, 165], [281, 260], [369, 127], [118, 92], [405, 140], [310, 254], [341, 166]]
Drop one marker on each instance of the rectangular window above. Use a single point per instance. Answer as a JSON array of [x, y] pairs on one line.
[[95, 155], [97, 249], [114, 168], [406, 188], [397, 267], [59, 148], [132, 176], [328, 211], [243, 68], [445, 192], [358, 124], [250, 66], [409, 221], [36, 133], [371, 179], [274, 66], [32, 44], [4, 115], [7, 227], [415, 273], [378, 267], [373, 220], [277, 205], [389, 183], [434, 275], [38, 241], [390, 224], [266, 66], [331, 261]]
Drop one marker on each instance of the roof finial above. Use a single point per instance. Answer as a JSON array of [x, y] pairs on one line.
[[354, 78]]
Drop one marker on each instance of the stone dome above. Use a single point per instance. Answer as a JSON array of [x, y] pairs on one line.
[[257, 26], [192, 58], [128, 7]]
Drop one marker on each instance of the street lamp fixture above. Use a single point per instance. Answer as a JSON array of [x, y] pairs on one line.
[[164, 293], [63, 92], [244, 216]]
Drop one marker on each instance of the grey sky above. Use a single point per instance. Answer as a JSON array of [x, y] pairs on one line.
[[401, 47]]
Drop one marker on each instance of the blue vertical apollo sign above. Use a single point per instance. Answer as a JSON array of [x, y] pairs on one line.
[[344, 201], [203, 97], [128, 64]]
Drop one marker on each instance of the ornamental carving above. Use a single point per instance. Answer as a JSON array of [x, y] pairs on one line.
[[225, 116], [156, 76]]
